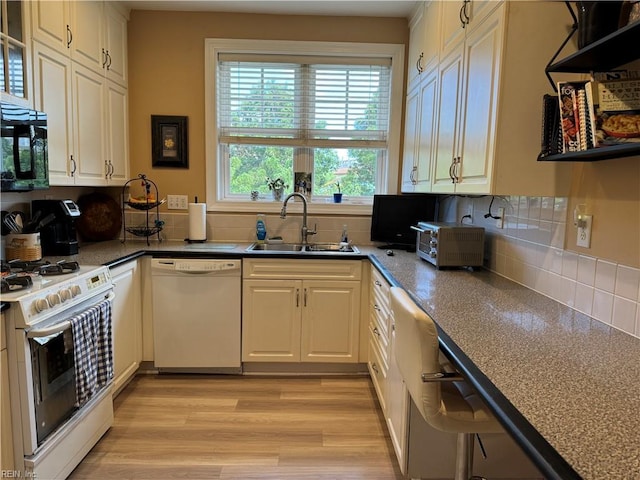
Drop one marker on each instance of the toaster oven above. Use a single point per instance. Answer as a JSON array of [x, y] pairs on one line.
[[450, 244]]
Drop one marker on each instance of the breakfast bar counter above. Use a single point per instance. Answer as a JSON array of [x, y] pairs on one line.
[[566, 386]]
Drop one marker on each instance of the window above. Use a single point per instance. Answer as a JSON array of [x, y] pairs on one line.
[[311, 116], [12, 49]]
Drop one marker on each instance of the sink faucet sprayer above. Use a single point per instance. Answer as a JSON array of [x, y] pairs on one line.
[[304, 232]]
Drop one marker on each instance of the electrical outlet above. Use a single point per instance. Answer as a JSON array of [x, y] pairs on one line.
[[584, 231], [500, 221], [177, 202]]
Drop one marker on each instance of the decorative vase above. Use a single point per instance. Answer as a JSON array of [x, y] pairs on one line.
[[337, 198], [277, 194]]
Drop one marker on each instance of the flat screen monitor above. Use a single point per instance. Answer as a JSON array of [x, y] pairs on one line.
[[393, 215]]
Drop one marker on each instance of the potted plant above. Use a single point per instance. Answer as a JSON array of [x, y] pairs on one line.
[[277, 187], [337, 197]]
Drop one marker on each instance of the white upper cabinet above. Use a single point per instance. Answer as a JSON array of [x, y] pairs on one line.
[[80, 81], [92, 33], [490, 82]]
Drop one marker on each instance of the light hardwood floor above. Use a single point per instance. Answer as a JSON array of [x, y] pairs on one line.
[[244, 427]]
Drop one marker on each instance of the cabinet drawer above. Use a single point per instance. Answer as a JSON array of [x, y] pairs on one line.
[[378, 372], [380, 340], [380, 285], [302, 269], [379, 317]]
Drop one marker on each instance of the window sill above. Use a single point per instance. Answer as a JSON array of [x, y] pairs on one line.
[[275, 207]]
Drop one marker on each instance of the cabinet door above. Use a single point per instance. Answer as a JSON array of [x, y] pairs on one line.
[[415, 62], [116, 45], [271, 320], [88, 126], [330, 321], [409, 167], [449, 80], [117, 134], [397, 406], [52, 95], [49, 20], [127, 323], [452, 26], [427, 116], [432, 32], [481, 78], [87, 34], [6, 429]]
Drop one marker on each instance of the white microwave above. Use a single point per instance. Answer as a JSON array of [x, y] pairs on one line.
[[450, 244]]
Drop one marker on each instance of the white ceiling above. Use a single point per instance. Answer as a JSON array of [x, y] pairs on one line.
[[372, 8]]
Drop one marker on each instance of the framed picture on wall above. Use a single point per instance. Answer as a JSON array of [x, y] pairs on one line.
[[169, 141]]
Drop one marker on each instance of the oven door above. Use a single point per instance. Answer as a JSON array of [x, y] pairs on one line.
[[54, 380]]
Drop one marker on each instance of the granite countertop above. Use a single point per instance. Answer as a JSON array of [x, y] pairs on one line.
[[563, 384]]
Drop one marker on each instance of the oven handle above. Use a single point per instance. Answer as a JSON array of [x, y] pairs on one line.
[[58, 327], [417, 229]]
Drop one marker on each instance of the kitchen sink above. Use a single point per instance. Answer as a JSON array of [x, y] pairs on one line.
[[298, 247]]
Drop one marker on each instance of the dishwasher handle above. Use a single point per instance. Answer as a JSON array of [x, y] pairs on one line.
[[195, 266]]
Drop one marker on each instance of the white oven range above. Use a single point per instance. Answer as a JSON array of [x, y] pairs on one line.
[[55, 427]]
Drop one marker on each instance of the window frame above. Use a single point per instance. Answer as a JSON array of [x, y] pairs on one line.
[[215, 171]]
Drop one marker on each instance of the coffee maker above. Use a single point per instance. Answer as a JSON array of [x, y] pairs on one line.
[[58, 237]]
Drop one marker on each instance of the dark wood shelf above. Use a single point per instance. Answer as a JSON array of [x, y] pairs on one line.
[[595, 154], [608, 53]]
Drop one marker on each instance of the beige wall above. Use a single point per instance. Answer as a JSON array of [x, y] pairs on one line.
[[166, 72], [610, 191]]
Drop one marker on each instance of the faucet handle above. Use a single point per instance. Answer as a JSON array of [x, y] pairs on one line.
[[314, 231]]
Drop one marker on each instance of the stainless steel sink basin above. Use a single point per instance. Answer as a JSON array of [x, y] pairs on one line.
[[298, 247], [275, 247]]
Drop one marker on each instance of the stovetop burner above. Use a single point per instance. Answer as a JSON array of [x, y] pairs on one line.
[[40, 267], [14, 282]]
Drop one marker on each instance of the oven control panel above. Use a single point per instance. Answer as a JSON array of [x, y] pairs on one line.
[[55, 298], [96, 281]]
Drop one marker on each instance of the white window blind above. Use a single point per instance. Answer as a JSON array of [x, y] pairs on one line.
[[318, 102]]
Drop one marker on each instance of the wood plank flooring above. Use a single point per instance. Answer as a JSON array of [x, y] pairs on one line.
[[244, 427]]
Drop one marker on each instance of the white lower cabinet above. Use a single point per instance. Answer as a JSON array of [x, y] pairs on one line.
[[422, 451], [6, 431], [300, 311], [127, 323]]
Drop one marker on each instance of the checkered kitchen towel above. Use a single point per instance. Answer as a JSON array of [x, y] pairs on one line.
[[93, 350]]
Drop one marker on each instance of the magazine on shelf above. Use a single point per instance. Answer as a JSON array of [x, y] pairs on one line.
[[618, 111]]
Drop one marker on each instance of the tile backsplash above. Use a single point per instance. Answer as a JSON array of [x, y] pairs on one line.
[[529, 250]]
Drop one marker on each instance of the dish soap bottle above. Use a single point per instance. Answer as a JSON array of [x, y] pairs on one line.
[[261, 229], [344, 238]]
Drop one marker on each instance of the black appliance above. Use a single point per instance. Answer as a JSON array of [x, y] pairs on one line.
[[393, 215], [24, 165], [58, 237]]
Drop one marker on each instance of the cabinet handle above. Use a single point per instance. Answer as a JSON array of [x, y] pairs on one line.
[[464, 18], [106, 169], [456, 169], [73, 166], [374, 367], [69, 37], [297, 297], [376, 331], [305, 297], [378, 284], [453, 164], [111, 170], [412, 176], [104, 58], [376, 307], [108, 60], [419, 66]]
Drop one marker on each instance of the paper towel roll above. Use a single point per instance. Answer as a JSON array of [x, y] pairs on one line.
[[197, 221]]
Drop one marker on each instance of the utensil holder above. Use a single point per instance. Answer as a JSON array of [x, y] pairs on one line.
[[23, 246]]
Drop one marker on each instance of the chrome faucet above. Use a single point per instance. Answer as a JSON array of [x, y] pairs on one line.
[[304, 232]]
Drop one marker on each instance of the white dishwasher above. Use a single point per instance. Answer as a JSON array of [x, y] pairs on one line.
[[196, 314]]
